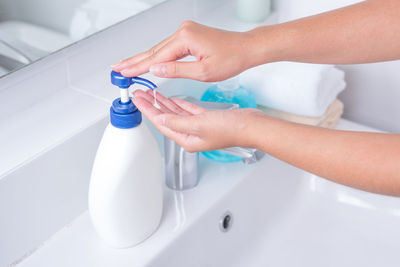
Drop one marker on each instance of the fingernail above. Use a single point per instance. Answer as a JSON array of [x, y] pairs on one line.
[[116, 64], [160, 119], [158, 70], [124, 73]]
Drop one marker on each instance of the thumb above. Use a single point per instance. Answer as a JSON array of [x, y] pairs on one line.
[[179, 123], [178, 69]]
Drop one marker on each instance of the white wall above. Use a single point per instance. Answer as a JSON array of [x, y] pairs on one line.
[[372, 96]]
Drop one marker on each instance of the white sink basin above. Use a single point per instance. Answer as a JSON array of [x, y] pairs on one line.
[[281, 216]]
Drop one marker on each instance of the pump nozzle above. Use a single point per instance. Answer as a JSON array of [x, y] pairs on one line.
[[124, 82]]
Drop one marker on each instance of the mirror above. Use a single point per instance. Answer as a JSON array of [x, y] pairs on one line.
[[30, 30]]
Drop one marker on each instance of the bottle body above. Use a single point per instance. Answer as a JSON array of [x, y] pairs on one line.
[[228, 91], [125, 192]]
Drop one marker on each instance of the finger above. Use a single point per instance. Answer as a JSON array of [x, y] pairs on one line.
[[181, 124], [188, 139], [150, 99], [129, 61], [155, 117], [173, 50], [146, 107], [123, 64], [161, 99], [189, 107], [190, 143], [181, 69]]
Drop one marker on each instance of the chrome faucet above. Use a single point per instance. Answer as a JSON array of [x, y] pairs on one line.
[[181, 167]]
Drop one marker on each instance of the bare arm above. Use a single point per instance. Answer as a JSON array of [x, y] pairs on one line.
[[361, 33], [365, 32], [368, 161]]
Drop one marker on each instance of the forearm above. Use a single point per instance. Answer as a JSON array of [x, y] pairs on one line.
[[368, 161], [361, 33]]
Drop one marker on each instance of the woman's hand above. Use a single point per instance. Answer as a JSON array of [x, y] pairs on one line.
[[195, 128], [369, 161], [220, 55]]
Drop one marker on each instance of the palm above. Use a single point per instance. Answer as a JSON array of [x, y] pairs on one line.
[[169, 106]]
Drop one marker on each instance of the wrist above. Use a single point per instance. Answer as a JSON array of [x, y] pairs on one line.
[[249, 130], [264, 132], [268, 44]]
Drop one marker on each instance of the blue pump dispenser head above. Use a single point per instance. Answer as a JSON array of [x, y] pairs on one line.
[[126, 115], [124, 82]]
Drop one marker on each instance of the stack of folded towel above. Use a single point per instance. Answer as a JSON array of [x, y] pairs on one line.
[[298, 92]]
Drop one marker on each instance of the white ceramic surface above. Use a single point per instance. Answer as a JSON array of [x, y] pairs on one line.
[[281, 216], [37, 200], [48, 140]]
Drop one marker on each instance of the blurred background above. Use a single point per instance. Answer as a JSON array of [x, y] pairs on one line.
[[30, 30]]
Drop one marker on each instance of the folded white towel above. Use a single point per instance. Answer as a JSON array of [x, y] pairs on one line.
[[298, 88]]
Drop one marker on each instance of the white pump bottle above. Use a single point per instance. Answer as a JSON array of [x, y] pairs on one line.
[[125, 192]]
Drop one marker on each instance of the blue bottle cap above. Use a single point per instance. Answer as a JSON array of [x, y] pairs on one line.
[[124, 115]]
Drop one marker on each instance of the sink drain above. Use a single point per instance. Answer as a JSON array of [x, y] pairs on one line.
[[225, 222]]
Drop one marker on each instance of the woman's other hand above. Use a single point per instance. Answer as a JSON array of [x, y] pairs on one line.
[[220, 55], [195, 128]]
